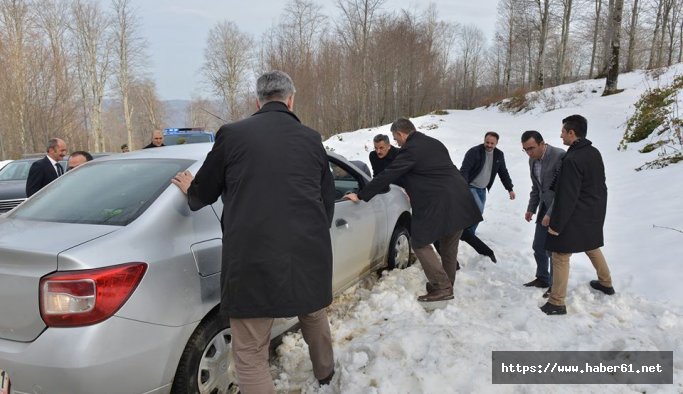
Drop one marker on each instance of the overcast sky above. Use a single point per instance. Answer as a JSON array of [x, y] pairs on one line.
[[176, 30]]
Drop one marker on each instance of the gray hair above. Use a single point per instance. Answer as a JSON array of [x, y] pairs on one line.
[[403, 126], [52, 144], [274, 86], [381, 137]]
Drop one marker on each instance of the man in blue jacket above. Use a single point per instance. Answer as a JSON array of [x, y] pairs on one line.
[[480, 166]]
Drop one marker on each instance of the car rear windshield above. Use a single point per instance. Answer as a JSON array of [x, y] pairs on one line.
[[113, 192]]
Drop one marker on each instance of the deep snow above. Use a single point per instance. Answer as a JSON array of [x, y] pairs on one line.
[[385, 342]]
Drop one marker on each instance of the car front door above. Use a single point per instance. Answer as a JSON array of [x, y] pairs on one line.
[[355, 228]]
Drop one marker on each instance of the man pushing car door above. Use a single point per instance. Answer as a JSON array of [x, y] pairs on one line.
[[441, 201]]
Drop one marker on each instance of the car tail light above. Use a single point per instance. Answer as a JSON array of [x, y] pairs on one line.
[[81, 298]]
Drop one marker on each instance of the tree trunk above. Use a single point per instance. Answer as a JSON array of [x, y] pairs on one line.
[[655, 35], [596, 29], [613, 72], [566, 17], [606, 44], [543, 10], [632, 36]]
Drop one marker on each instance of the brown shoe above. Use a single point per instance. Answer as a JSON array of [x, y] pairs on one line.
[[437, 295]]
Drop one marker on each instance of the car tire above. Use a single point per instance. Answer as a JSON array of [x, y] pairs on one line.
[[206, 365], [399, 249]]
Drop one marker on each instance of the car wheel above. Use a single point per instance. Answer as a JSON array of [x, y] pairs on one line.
[[399, 248], [207, 364]]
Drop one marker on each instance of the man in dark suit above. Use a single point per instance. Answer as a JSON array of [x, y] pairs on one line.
[[480, 166], [277, 254], [46, 169], [441, 202], [544, 164], [578, 213], [383, 154]]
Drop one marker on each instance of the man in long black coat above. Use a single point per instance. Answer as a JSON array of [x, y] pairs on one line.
[[441, 201], [278, 194], [578, 215]]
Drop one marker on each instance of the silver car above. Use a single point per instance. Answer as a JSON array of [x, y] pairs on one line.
[[110, 284]]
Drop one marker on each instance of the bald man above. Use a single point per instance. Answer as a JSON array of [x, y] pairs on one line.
[[157, 139]]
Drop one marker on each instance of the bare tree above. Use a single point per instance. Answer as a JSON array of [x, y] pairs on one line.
[[203, 112], [564, 40], [652, 63], [129, 51], [355, 28], [227, 64], [93, 44], [675, 10], [15, 51], [613, 70], [596, 29], [507, 15], [632, 36], [543, 8], [152, 110]]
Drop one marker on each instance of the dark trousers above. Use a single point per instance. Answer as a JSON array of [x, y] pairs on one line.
[[541, 255], [440, 272]]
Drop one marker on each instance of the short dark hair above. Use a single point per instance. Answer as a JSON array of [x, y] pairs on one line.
[[402, 125], [532, 134], [83, 153], [577, 123], [124, 146], [380, 137], [493, 134]]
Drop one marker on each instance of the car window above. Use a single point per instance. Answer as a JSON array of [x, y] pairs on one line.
[[111, 192], [15, 171], [345, 181]]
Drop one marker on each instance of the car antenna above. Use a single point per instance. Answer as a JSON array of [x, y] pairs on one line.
[[214, 115]]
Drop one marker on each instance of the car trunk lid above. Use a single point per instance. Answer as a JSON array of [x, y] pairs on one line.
[[28, 251]]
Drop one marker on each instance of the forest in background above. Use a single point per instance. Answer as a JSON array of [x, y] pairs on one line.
[[76, 69]]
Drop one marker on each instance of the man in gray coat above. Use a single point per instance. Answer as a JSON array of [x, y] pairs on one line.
[[441, 201], [277, 252], [544, 163], [578, 213]]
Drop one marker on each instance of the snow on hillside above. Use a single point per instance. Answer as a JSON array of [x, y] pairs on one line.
[[385, 342]]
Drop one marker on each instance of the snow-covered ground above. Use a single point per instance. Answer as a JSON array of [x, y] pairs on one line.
[[385, 342]]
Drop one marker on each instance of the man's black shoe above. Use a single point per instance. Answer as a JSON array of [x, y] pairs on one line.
[[547, 292], [327, 380], [550, 309], [597, 286], [537, 283]]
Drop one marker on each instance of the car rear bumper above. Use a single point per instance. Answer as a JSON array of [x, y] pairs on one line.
[[115, 356]]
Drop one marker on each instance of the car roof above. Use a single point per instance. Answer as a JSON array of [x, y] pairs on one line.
[[196, 152]]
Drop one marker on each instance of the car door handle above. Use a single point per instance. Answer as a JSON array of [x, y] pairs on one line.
[[341, 223]]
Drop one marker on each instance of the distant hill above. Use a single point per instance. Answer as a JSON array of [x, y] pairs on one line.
[[176, 113]]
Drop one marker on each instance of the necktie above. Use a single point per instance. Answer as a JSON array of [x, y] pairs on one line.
[[60, 170]]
